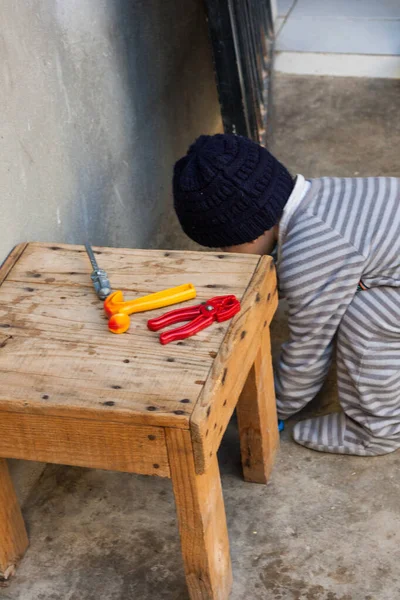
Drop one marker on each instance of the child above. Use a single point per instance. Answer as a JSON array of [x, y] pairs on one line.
[[338, 264]]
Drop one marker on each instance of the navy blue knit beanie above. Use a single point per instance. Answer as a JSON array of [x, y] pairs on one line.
[[229, 190]]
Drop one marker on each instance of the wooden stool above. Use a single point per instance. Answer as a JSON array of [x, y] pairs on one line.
[[73, 393]]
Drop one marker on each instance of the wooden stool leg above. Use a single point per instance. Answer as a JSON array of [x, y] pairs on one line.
[[13, 537], [202, 521], [257, 418]]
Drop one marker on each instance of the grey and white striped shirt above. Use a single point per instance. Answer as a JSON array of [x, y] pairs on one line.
[[340, 232]]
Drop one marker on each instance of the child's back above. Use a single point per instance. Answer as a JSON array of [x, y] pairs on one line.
[[365, 214]]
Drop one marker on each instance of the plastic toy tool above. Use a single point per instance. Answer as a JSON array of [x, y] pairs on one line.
[[118, 309], [219, 309], [99, 277]]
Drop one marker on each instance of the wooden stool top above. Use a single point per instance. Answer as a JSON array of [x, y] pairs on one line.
[[58, 358]]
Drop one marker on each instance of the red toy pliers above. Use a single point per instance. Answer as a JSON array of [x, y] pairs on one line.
[[219, 309]]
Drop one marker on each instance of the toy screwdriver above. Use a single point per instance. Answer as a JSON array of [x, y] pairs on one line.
[[99, 277]]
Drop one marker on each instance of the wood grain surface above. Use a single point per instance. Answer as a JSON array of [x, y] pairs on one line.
[[58, 358], [84, 443], [232, 365], [257, 417], [13, 537], [202, 521], [10, 261]]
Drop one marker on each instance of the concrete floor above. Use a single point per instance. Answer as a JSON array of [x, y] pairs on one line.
[[326, 527]]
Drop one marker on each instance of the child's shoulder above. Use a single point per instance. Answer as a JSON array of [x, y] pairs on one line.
[[328, 196]]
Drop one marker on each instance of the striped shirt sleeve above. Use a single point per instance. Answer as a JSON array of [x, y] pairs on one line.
[[318, 275]]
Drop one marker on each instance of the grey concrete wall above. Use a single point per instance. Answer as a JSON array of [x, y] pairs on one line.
[[98, 98]]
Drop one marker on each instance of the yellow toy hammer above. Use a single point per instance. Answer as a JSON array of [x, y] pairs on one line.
[[119, 310]]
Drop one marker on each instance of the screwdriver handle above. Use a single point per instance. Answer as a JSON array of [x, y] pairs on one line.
[[101, 283], [99, 277]]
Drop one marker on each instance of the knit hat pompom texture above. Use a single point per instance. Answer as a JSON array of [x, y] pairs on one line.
[[229, 190]]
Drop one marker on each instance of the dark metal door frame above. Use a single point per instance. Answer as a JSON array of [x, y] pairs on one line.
[[241, 33]]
